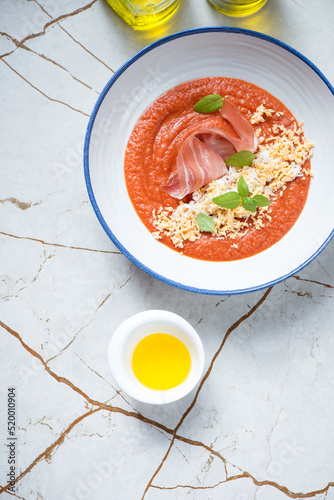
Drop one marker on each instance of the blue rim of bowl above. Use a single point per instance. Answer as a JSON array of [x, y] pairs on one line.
[[96, 108]]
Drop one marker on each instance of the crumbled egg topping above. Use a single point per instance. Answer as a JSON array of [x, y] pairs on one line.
[[279, 161], [260, 114]]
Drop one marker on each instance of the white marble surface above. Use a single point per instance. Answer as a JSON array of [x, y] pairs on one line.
[[260, 425]]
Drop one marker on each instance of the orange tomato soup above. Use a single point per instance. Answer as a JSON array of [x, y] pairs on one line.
[[153, 146]]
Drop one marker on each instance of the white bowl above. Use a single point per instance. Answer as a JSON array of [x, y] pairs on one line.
[[134, 329], [230, 52]]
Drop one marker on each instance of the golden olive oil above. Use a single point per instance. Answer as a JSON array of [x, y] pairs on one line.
[[161, 361], [145, 14], [237, 7]]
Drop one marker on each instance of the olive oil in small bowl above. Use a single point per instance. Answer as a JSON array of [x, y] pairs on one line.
[[156, 357]]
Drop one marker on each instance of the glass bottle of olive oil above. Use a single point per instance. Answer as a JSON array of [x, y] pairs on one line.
[[145, 14], [237, 7]]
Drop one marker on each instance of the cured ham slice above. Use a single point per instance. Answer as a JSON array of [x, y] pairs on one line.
[[218, 140], [197, 164], [248, 140], [202, 156]]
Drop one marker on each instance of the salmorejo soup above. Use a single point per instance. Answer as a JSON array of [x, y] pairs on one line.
[[218, 169]]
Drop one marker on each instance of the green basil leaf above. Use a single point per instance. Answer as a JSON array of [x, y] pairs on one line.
[[228, 200], [209, 103], [261, 201], [241, 159], [249, 204], [242, 187], [205, 223]]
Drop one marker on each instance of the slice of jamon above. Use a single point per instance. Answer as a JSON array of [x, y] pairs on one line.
[[202, 156], [197, 164], [218, 140], [248, 139]]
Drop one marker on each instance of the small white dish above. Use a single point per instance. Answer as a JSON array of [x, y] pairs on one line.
[[132, 331]]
